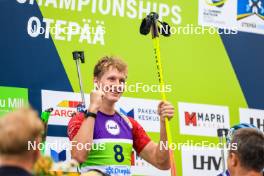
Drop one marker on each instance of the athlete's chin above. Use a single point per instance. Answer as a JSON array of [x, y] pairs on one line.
[[113, 98]]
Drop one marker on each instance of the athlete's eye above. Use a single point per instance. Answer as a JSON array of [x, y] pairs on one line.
[[111, 78], [122, 81]]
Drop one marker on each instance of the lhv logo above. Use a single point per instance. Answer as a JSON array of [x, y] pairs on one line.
[[201, 161], [252, 116]]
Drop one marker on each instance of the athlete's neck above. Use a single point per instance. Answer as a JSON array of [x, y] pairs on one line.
[[107, 108], [241, 171], [16, 161]]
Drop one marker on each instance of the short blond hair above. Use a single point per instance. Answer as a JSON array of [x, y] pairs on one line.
[[107, 62], [17, 128]]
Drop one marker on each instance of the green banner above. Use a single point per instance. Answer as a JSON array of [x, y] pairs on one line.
[[12, 98]]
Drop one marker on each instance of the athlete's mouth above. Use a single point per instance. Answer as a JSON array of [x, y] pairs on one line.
[[115, 92]]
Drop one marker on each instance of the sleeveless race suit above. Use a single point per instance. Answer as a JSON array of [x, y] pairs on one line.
[[114, 137]]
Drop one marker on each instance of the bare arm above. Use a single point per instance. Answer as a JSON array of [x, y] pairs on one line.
[[82, 141], [157, 154], [84, 137]]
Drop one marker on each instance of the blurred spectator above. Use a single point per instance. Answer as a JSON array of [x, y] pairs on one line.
[[16, 130], [246, 157]]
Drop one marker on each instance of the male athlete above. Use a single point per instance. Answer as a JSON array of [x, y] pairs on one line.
[[101, 124], [247, 159]]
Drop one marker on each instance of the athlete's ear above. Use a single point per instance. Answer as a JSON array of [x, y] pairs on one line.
[[95, 80], [96, 83], [233, 159]]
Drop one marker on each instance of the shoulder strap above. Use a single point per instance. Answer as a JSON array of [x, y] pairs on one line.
[[125, 118]]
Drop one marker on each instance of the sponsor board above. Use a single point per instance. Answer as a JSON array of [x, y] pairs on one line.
[[242, 15], [252, 116], [201, 161], [250, 16], [63, 103], [144, 111], [217, 13], [142, 167], [12, 98], [58, 148], [201, 119]]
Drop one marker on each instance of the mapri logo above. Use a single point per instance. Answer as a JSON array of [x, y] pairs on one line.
[[248, 8], [252, 116], [204, 120], [216, 3], [190, 119]]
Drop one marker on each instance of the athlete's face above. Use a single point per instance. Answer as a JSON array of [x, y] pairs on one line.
[[112, 83]]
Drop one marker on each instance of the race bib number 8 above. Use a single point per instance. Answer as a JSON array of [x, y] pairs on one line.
[[119, 157], [112, 152]]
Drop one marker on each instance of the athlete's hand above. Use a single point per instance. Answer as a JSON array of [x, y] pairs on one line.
[[96, 99], [165, 110]]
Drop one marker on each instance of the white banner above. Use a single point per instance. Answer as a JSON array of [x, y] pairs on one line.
[[252, 116], [243, 15], [201, 161], [202, 120]]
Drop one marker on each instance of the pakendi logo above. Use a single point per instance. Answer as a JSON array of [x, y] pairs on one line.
[[144, 111], [129, 113]]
